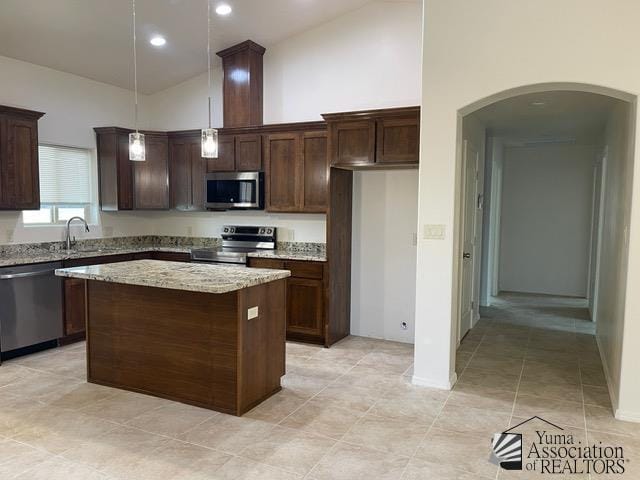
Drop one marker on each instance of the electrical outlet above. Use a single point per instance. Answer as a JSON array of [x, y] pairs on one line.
[[434, 232], [252, 313]]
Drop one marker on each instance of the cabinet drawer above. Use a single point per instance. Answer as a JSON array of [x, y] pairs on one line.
[[300, 269], [171, 256], [266, 263]]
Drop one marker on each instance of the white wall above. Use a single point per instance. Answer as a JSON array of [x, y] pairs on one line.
[[383, 254], [617, 349], [524, 48], [73, 106], [547, 196]]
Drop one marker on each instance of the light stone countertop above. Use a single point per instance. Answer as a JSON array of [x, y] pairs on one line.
[[193, 277], [42, 256]]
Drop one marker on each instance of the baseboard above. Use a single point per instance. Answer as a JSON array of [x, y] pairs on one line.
[[605, 366], [627, 416], [426, 382]]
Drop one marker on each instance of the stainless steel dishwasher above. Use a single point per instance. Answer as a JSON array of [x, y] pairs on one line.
[[30, 305]]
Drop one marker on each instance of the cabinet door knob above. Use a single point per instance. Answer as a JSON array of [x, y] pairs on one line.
[[466, 255]]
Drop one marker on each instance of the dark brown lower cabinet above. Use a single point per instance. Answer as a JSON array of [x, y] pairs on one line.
[[307, 302]]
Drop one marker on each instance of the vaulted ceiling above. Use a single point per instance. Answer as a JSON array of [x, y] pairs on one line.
[[92, 38]]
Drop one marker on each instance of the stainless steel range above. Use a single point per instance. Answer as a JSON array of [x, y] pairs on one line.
[[237, 242]]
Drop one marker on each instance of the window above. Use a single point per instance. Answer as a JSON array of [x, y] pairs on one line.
[[65, 185]]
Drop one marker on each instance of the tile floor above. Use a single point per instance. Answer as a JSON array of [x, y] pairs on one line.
[[349, 412]]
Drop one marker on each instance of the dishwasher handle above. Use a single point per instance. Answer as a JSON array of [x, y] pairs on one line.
[[10, 276]]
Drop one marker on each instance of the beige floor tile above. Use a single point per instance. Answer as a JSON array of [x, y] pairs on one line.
[[496, 364], [418, 469], [40, 386], [303, 386], [302, 349], [540, 372], [57, 430], [278, 407], [386, 434], [64, 363], [16, 458], [61, 469], [555, 411], [340, 356], [81, 395], [484, 398], [11, 371], [499, 381], [176, 460], [350, 462], [387, 362], [368, 378], [316, 367], [172, 419], [602, 420], [598, 396], [15, 412], [295, 451], [327, 420], [593, 376], [410, 408], [118, 452], [630, 453], [464, 451], [123, 406], [553, 390], [351, 398], [228, 433], [463, 419], [245, 469]]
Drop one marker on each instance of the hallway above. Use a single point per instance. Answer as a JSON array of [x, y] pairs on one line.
[[537, 355]]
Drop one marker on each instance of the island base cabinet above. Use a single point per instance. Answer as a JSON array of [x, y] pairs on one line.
[[196, 348]]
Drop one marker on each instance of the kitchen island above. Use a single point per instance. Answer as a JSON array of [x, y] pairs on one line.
[[203, 334]]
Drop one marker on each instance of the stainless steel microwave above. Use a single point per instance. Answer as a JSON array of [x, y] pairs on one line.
[[234, 190]]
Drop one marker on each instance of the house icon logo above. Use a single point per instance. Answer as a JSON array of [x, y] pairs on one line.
[[507, 446]]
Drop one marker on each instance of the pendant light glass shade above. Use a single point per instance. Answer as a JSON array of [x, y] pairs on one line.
[[209, 143], [137, 149]]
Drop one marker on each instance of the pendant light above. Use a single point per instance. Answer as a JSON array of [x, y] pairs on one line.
[[137, 151], [209, 135]]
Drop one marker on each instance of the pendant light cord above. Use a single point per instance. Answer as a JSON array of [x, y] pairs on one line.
[[135, 68], [209, 55]]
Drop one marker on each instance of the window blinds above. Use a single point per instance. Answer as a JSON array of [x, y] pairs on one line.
[[65, 175]]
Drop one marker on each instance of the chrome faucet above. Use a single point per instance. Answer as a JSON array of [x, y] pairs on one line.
[[69, 241]]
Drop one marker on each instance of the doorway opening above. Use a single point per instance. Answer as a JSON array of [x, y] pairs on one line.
[[544, 205]]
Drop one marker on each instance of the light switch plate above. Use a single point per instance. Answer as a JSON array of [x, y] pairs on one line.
[[252, 313], [434, 232]]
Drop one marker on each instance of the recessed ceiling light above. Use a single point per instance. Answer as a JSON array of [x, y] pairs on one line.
[[223, 9], [538, 103], [157, 41]]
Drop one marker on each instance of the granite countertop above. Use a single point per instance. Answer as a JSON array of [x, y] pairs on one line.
[[290, 255], [193, 277], [40, 255]]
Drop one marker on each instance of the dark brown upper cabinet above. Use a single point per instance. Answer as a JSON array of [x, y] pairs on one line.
[[297, 171], [19, 169], [226, 161], [151, 177], [186, 172], [242, 84], [127, 185], [388, 138], [248, 148]]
